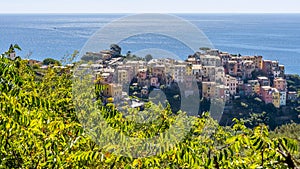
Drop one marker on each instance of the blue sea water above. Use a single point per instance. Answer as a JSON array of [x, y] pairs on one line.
[[274, 36]]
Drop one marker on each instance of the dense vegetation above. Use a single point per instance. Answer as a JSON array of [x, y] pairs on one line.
[[255, 111], [40, 129]]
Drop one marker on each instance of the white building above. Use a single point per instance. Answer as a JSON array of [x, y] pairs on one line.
[[196, 70], [122, 76], [232, 83], [210, 60], [180, 72]]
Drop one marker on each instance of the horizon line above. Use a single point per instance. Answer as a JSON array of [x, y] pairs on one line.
[[214, 12]]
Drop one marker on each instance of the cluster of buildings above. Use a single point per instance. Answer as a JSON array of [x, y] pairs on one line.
[[220, 75]]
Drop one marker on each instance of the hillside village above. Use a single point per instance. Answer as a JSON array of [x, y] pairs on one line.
[[221, 75]]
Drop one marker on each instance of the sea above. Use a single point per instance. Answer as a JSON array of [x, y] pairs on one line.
[[273, 36]]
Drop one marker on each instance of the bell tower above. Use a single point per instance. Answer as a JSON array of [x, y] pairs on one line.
[[12, 52]]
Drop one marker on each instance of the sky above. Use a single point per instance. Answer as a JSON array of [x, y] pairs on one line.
[[150, 6]]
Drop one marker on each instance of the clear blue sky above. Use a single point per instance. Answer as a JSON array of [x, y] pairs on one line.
[[149, 6]]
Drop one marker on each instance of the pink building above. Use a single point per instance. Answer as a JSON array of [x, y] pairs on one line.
[[266, 94]]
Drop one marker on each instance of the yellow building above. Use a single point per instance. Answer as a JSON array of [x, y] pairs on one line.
[[113, 91], [276, 97], [189, 69]]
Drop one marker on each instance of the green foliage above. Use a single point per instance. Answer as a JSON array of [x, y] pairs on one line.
[[36, 66], [13, 47], [51, 61], [293, 82], [289, 130], [148, 57], [254, 111], [39, 129], [204, 48], [257, 73], [133, 57]]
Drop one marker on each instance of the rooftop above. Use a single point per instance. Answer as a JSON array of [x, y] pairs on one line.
[[262, 78]]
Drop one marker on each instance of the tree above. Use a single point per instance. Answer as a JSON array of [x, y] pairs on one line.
[[256, 73], [128, 54], [116, 49], [204, 49], [148, 57], [51, 61]]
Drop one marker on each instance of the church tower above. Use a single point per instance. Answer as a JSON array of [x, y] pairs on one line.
[[12, 52]]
